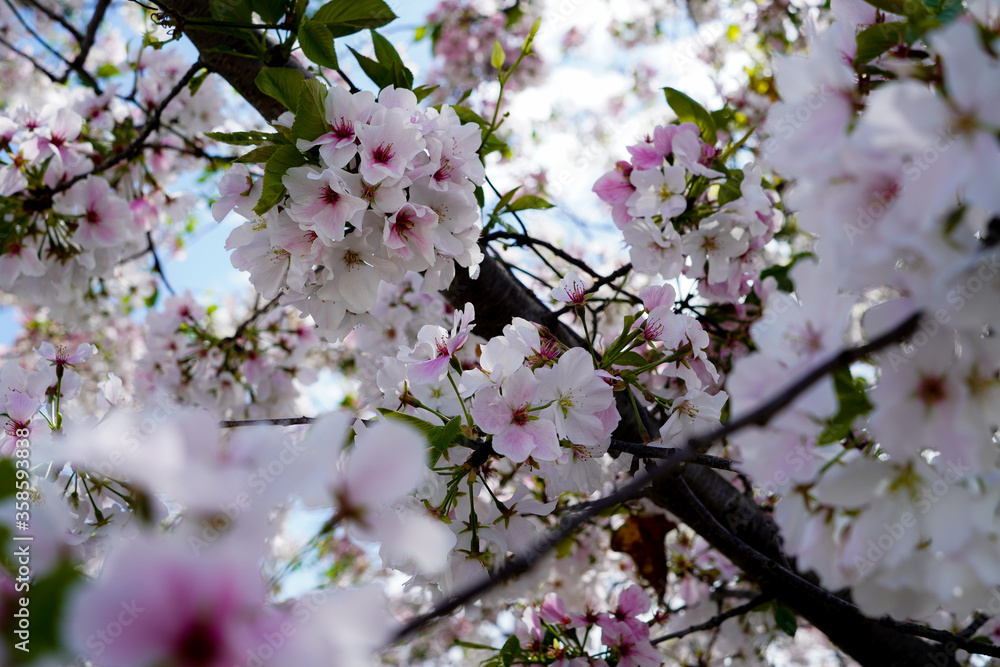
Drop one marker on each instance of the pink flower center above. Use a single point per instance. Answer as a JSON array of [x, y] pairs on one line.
[[383, 154], [92, 216], [344, 129], [520, 416], [444, 173], [198, 645], [931, 390], [329, 196]]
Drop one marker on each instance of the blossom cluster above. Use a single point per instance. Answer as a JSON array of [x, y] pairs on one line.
[[464, 34], [675, 224], [235, 363], [900, 199], [72, 220], [393, 190]]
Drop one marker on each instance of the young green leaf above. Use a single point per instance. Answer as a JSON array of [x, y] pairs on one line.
[[272, 189], [346, 17], [281, 83], [689, 111], [257, 155], [529, 202], [498, 56], [241, 138], [785, 620], [310, 116], [317, 43]]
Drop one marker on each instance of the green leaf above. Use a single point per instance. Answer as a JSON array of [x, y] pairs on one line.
[[389, 57], [785, 619], [502, 204], [441, 438], [106, 70], [891, 6], [257, 155], [310, 115], [467, 115], [630, 358], [270, 11], [529, 40], [730, 190], [420, 424], [498, 56], [392, 72], [281, 83], [317, 43], [231, 11], [420, 33], [423, 91], [510, 652], [195, 83], [853, 401], [8, 477], [529, 202], [689, 111], [241, 138], [272, 189], [875, 40], [346, 17]]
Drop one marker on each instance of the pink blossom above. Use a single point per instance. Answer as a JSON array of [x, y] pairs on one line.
[[102, 215], [435, 347], [170, 607], [410, 229], [322, 202], [506, 413], [387, 149], [577, 395], [570, 290]]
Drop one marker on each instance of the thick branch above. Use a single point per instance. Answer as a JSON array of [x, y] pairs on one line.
[[239, 71]]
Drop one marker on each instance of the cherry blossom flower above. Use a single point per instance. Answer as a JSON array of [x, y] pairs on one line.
[[322, 201], [102, 214], [506, 413], [436, 347], [570, 290], [577, 394], [387, 148]]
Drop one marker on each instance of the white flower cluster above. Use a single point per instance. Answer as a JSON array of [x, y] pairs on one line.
[[393, 191], [721, 244], [903, 200]]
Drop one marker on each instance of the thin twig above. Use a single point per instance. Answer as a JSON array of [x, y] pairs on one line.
[[138, 144], [287, 421], [157, 266], [37, 65], [651, 452], [715, 621], [70, 28]]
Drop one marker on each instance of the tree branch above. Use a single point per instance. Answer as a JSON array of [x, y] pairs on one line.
[[715, 621]]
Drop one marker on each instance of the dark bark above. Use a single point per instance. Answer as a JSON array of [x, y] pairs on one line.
[[699, 496]]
